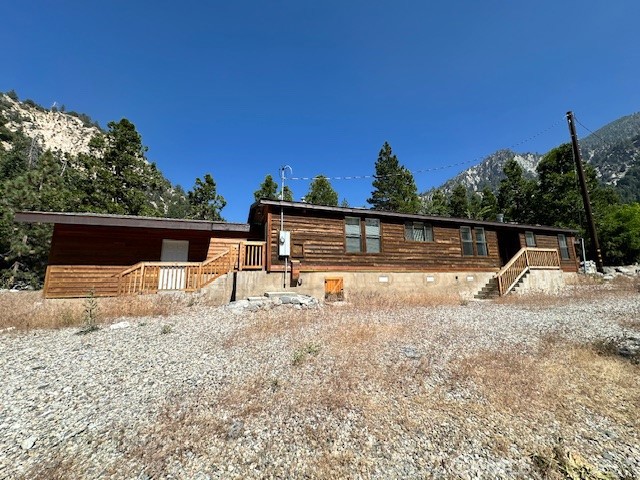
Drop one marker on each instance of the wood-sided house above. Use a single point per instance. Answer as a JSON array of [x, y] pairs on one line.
[[325, 250]]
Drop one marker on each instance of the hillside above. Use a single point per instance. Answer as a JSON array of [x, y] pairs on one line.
[[613, 150], [67, 133], [62, 161]]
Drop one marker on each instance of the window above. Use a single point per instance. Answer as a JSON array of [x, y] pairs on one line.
[[418, 232], [530, 239], [372, 232], [564, 248], [356, 229], [467, 241], [481, 242], [353, 234]]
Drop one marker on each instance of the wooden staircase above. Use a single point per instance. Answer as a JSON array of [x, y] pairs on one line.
[[152, 277], [513, 274]]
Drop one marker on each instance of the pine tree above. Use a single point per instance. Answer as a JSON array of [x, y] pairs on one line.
[[458, 202], [321, 192], [437, 205], [488, 204], [515, 194], [268, 189], [394, 186], [118, 178], [287, 194], [204, 200]]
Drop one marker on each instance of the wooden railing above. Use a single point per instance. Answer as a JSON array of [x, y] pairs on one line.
[[251, 256], [526, 259], [151, 277]]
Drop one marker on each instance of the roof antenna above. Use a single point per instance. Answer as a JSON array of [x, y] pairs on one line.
[[283, 171]]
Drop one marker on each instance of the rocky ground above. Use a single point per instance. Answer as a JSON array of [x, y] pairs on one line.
[[516, 388]]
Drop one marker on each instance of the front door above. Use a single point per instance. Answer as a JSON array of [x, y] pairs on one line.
[[508, 245], [172, 277]]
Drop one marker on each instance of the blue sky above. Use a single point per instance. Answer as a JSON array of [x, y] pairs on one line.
[[237, 89]]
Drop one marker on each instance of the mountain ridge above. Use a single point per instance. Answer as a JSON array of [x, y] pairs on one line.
[[613, 150]]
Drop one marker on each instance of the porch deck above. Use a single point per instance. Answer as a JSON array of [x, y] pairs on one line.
[[73, 281]]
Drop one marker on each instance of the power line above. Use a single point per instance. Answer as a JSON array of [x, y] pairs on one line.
[[433, 169], [588, 129]]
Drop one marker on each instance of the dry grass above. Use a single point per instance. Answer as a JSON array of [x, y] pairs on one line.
[[354, 401], [584, 290], [355, 377], [29, 310], [365, 301]]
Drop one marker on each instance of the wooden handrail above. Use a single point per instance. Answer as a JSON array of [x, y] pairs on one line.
[[131, 269], [190, 276], [526, 259]]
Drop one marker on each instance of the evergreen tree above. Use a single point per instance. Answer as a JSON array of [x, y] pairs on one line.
[[178, 204], [488, 204], [437, 205], [204, 200], [394, 186], [24, 248], [344, 203], [558, 197], [458, 202], [515, 194], [321, 192], [268, 189], [287, 194]]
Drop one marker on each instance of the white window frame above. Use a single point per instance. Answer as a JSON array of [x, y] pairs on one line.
[[373, 242], [466, 242], [481, 242], [352, 235]]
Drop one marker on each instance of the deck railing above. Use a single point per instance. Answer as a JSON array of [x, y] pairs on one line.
[[252, 256], [151, 277], [526, 259]]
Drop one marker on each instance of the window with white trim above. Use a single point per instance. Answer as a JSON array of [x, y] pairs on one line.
[[362, 235], [564, 248], [481, 242], [418, 232], [353, 234], [467, 241], [372, 234]]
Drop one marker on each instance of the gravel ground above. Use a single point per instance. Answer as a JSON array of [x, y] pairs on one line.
[[232, 393]]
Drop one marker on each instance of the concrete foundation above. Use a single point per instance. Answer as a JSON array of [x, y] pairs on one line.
[[463, 285], [543, 281]]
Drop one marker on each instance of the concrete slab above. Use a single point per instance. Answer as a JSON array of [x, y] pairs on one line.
[[278, 294]]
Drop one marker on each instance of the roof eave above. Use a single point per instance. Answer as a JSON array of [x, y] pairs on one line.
[[92, 219]]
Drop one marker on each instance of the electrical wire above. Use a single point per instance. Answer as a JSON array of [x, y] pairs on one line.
[[588, 129], [431, 169]]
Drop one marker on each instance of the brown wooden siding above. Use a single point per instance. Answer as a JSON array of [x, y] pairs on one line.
[[551, 241], [78, 280], [93, 245], [323, 241]]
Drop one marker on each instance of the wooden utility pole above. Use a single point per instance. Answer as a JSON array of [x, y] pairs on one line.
[[585, 194]]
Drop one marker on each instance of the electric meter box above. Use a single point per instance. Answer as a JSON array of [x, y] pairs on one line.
[[284, 243]]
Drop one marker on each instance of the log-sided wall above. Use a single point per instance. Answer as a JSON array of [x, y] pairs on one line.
[[318, 243], [550, 240]]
